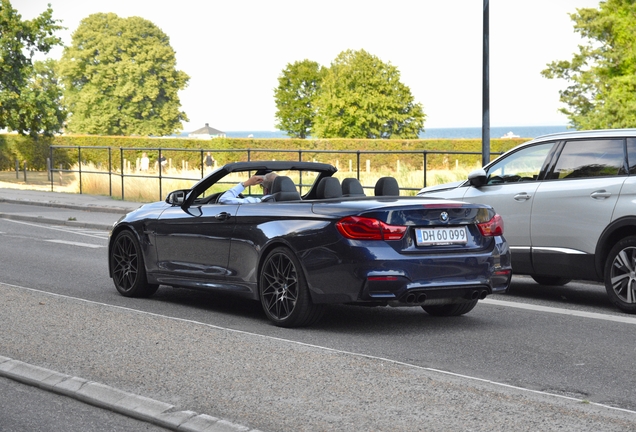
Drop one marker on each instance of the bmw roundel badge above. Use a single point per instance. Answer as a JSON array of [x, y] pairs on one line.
[[443, 217]]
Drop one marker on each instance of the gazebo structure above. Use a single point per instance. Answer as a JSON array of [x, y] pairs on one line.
[[206, 132]]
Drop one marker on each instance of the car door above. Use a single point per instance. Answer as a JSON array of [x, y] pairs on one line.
[[574, 204], [510, 190], [195, 243]]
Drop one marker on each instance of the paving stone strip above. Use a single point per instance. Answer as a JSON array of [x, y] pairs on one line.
[[103, 396]]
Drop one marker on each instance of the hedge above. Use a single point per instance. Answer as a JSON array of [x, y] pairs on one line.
[[224, 150]]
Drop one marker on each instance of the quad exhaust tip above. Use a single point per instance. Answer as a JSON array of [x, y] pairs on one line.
[[415, 297], [477, 294]]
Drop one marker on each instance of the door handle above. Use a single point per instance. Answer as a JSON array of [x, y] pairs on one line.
[[522, 197], [602, 194], [223, 216]]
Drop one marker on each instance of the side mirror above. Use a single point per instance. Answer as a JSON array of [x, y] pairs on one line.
[[477, 178], [176, 197]]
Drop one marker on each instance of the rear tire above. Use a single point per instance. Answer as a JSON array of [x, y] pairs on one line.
[[620, 275], [450, 309], [550, 280], [128, 269], [284, 292]]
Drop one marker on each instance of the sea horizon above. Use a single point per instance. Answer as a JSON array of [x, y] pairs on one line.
[[496, 132]]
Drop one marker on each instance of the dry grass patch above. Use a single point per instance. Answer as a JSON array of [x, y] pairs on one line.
[[145, 186]]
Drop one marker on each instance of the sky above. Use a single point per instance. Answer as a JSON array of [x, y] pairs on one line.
[[234, 51]]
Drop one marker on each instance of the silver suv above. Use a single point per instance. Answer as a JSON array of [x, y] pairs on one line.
[[568, 202]]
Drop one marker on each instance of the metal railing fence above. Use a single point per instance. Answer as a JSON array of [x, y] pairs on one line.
[[80, 161]]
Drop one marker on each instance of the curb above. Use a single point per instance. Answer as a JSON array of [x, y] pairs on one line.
[[94, 208], [103, 396], [105, 227]]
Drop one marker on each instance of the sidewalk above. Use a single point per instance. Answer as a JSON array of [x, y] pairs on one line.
[[96, 203], [79, 210]]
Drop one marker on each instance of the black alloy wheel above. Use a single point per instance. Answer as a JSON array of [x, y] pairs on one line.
[[550, 280], [455, 309], [127, 264], [620, 274], [284, 293]]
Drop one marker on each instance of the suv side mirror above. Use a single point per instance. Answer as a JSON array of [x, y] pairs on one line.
[[176, 197], [477, 178]]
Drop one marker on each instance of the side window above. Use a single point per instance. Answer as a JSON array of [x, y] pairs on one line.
[[523, 165], [590, 158]]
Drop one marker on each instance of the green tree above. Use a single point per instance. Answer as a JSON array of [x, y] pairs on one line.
[[362, 97], [41, 110], [602, 74], [298, 86], [120, 78], [29, 93]]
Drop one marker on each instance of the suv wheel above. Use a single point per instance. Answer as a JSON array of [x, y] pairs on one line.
[[620, 274], [550, 280]]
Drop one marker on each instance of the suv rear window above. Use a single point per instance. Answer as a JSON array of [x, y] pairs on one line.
[[590, 158]]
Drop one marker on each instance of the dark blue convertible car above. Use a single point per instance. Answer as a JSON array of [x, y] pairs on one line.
[[313, 240]]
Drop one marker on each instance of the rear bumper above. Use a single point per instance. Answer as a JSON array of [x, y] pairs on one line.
[[378, 274]]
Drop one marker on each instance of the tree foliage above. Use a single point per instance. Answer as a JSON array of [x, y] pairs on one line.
[[362, 97], [120, 78], [602, 74], [298, 86], [29, 92], [41, 108]]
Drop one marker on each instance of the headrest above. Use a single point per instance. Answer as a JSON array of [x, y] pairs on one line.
[[329, 187], [352, 187], [283, 184], [387, 186], [283, 189]]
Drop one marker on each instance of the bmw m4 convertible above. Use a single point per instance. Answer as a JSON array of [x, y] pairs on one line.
[[310, 240]]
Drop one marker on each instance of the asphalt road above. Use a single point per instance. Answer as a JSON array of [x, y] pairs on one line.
[[537, 358]]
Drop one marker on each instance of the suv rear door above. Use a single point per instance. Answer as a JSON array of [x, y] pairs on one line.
[[574, 204]]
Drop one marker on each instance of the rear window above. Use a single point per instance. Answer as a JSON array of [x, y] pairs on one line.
[[590, 158]]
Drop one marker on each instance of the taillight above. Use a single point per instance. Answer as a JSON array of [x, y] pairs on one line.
[[494, 227], [363, 228]]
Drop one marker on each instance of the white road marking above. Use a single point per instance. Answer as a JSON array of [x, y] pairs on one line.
[[443, 372], [88, 245], [67, 230], [615, 318]]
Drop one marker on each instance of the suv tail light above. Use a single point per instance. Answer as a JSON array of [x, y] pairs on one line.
[[494, 227], [363, 228]]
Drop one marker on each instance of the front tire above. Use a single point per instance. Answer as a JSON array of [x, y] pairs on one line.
[[450, 309], [127, 264], [284, 292], [550, 280], [620, 274]]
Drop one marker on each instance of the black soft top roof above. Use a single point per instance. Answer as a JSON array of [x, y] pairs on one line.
[[263, 167], [278, 166]]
